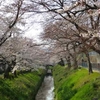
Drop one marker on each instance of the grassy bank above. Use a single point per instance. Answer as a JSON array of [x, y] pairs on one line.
[[22, 88], [76, 84]]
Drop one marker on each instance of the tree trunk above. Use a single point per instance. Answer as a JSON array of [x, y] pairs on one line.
[[68, 62], [75, 63], [6, 73], [7, 70], [89, 63], [75, 58]]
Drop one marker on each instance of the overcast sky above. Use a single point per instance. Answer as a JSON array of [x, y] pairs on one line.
[[34, 32], [35, 27]]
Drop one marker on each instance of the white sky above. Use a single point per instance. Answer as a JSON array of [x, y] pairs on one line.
[[35, 27], [34, 24], [34, 32]]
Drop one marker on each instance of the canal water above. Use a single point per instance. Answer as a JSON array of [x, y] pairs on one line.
[[46, 90]]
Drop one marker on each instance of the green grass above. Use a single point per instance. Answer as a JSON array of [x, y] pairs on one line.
[[76, 84], [22, 88]]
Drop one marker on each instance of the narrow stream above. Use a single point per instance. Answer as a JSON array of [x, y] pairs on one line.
[[46, 90]]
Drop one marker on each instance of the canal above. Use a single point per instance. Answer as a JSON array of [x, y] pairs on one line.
[[46, 90]]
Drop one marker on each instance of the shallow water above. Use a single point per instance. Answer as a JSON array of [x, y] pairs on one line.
[[46, 90]]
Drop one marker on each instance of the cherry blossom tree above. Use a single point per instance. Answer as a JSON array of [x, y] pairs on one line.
[[83, 17], [10, 15]]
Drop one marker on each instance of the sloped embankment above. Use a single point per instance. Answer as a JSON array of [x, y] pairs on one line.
[[76, 84], [22, 88]]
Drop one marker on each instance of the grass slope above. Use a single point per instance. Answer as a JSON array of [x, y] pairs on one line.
[[76, 84], [22, 88]]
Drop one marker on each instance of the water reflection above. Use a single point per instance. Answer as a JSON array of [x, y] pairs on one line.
[[46, 90]]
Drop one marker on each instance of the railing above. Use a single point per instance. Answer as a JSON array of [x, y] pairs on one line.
[[95, 66]]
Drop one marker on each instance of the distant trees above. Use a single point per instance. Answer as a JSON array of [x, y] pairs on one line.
[[20, 53]]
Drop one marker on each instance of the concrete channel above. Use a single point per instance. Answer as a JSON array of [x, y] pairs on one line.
[[46, 90]]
